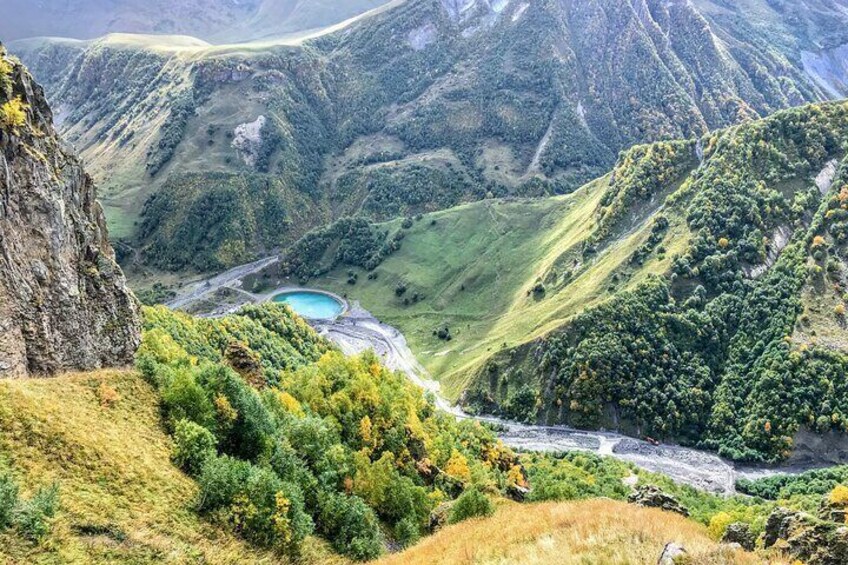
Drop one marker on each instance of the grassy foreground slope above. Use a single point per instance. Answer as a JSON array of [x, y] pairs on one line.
[[592, 531], [100, 437]]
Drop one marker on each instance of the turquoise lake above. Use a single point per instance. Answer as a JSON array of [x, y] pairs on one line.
[[312, 305]]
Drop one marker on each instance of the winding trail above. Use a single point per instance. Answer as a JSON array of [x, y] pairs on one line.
[[358, 331]]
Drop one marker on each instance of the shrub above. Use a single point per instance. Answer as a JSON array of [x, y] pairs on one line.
[[407, 532], [470, 504], [184, 399], [839, 496], [351, 526], [521, 404], [32, 517], [718, 524], [8, 498], [13, 113], [221, 479], [270, 512], [193, 446], [457, 467], [249, 433], [5, 73]]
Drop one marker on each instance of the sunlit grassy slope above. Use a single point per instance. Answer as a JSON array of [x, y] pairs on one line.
[[476, 266], [594, 531], [122, 500]]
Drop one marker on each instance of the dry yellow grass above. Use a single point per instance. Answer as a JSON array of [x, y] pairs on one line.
[[588, 532], [99, 436]]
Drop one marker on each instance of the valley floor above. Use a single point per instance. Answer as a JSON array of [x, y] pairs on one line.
[[358, 330]]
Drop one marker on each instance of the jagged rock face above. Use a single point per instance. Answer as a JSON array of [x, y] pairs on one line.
[[739, 533], [64, 303], [804, 537]]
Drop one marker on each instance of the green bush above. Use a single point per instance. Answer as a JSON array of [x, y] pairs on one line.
[[250, 435], [8, 498], [221, 479], [184, 399], [32, 517], [351, 526], [193, 446], [270, 512], [470, 504], [407, 532]]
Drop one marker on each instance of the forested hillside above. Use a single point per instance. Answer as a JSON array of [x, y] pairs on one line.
[[722, 350], [420, 107], [287, 438], [697, 292]]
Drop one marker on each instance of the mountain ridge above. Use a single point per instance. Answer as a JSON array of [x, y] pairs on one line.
[[415, 93]]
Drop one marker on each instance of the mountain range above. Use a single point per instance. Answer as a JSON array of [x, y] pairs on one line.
[[623, 216], [418, 107], [212, 20]]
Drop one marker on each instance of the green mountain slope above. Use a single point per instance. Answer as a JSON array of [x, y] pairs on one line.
[[669, 298], [475, 99]]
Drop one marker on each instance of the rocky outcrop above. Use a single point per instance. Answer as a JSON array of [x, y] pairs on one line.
[[833, 511], [652, 497], [804, 537], [739, 533], [64, 303]]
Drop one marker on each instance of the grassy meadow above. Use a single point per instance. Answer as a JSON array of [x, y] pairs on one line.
[[476, 266]]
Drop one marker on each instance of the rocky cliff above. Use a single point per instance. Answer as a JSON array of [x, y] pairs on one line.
[[64, 303]]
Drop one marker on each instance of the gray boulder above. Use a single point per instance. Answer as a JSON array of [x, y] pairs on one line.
[[672, 553]]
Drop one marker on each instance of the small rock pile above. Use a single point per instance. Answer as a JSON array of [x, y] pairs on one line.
[[652, 497]]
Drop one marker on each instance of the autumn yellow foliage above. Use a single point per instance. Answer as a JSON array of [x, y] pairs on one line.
[[13, 113], [718, 524], [457, 467], [839, 496]]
